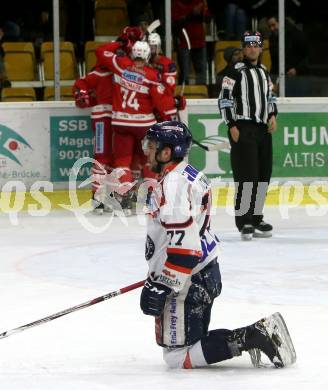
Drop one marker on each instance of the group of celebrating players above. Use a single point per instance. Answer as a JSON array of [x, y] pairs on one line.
[[130, 89]]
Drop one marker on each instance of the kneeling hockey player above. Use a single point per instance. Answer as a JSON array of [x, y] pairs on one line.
[[184, 276]]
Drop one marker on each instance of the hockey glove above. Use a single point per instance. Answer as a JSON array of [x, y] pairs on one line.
[[128, 38], [180, 102], [132, 34], [82, 98], [153, 298]]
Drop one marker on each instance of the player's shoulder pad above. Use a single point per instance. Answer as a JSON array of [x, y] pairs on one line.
[[123, 62], [190, 173], [195, 177], [164, 59], [152, 73], [167, 61]]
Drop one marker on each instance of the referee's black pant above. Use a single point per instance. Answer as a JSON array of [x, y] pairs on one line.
[[251, 162]]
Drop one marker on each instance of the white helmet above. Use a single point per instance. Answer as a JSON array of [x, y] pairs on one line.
[[154, 41], [141, 50]]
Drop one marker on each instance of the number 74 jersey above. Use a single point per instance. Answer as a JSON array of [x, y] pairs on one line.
[[180, 241], [137, 91]]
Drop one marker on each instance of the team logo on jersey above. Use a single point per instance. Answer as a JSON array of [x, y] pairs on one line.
[[169, 274], [108, 53], [170, 80], [228, 83], [190, 173], [168, 281], [132, 76], [225, 103], [150, 248], [160, 88]]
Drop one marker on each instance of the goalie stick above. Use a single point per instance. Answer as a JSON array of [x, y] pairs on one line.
[[72, 309]]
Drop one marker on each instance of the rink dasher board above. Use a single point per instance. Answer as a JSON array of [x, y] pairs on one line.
[[40, 141], [222, 196]]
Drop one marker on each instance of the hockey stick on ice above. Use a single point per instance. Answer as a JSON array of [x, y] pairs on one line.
[[153, 26], [72, 309], [212, 148]]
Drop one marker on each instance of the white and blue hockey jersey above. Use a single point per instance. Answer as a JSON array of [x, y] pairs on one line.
[[179, 237]]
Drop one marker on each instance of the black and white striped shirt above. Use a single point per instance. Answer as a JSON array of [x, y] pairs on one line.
[[246, 94]]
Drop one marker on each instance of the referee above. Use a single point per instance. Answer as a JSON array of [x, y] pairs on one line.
[[249, 110]]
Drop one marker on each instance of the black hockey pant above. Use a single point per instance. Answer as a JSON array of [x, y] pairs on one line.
[[251, 162], [186, 316]]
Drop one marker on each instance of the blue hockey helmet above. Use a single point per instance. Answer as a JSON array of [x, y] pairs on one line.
[[174, 134]]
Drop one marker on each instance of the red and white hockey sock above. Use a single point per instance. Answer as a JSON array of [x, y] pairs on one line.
[[99, 173]]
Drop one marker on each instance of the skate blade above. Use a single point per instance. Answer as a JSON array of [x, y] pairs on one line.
[[98, 211], [255, 355], [256, 359], [127, 212], [108, 209], [278, 332], [247, 237], [259, 234]]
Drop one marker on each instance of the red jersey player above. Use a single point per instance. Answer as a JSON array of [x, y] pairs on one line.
[[95, 91], [166, 67], [137, 91]]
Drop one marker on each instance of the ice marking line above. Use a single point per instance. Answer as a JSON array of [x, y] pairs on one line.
[[18, 266]]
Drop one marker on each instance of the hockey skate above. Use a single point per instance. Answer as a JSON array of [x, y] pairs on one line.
[[262, 230], [247, 232], [97, 206], [270, 336], [127, 204], [122, 204], [101, 205]]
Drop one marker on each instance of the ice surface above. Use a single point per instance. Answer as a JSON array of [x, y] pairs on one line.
[[51, 263]]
